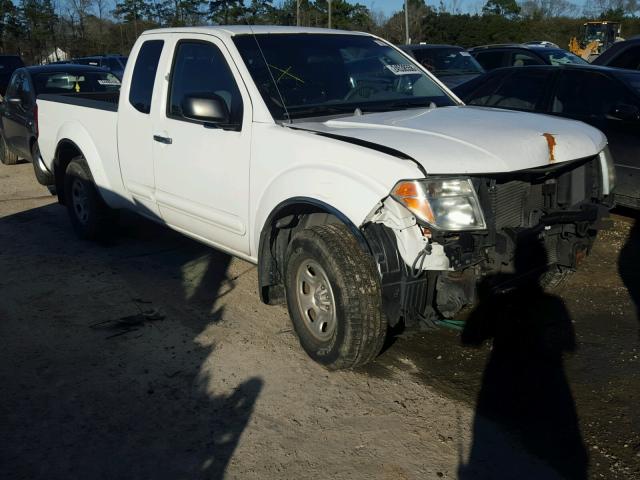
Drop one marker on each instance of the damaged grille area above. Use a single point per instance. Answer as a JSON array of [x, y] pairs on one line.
[[521, 202]]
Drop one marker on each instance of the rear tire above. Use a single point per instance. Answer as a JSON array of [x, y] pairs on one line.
[[90, 217], [333, 296], [7, 157]]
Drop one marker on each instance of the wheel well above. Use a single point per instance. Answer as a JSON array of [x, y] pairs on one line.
[[283, 223], [66, 151]]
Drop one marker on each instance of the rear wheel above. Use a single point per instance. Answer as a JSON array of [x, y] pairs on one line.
[[7, 157], [91, 218], [333, 296]]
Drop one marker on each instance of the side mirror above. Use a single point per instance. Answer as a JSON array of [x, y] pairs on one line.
[[209, 108], [625, 112]]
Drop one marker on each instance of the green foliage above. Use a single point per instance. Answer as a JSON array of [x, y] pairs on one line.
[[505, 8]]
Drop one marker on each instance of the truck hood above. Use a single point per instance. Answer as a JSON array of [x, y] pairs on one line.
[[469, 139]]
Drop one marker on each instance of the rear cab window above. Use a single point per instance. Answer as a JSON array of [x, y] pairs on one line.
[[144, 75]]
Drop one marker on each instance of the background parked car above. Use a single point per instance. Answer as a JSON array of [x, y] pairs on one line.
[[621, 55], [451, 64], [8, 65], [522, 55], [19, 110], [607, 98], [114, 63]]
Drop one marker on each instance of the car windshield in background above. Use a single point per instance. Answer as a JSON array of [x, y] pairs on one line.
[[632, 79], [447, 61], [562, 57], [75, 82], [320, 74]]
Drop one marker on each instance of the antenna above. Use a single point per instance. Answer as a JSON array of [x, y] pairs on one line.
[[275, 84]]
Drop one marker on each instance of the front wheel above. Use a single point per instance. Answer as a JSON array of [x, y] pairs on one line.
[[333, 296]]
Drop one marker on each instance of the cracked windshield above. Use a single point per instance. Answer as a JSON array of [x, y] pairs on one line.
[[313, 75]]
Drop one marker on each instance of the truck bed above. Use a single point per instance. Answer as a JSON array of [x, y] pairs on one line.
[[90, 120]]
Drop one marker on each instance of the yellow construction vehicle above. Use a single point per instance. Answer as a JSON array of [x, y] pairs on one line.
[[595, 38]]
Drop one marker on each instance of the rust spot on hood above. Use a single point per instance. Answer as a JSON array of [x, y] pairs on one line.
[[551, 143]]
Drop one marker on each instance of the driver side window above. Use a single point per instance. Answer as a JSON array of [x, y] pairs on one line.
[[200, 69]]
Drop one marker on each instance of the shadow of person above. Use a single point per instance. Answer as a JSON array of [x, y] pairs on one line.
[[629, 265], [524, 391]]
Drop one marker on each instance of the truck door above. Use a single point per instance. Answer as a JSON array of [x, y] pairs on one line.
[[135, 129], [202, 168]]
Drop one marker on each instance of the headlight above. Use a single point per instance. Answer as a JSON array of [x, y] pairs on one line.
[[445, 204]]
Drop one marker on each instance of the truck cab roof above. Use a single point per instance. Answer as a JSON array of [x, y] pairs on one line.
[[233, 30]]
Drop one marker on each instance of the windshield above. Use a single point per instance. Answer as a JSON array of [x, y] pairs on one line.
[[320, 74], [447, 61], [594, 31], [78, 82], [561, 57]]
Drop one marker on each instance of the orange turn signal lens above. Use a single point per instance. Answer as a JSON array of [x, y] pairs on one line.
[[410, 195]]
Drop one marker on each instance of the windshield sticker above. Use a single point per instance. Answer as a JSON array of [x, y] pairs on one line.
[[465, 54], [404, 69], [109, 82]]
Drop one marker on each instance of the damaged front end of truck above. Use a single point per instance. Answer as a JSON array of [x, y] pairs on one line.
[[437, 239]]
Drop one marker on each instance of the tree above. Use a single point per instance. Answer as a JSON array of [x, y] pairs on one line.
[[226, 12], [504, 8]]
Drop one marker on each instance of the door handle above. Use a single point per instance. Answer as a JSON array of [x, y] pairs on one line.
[[161, 139]]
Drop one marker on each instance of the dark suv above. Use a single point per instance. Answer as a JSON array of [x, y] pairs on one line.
[[522, 55]]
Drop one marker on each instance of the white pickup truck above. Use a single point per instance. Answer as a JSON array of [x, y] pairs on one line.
[[363, 189]]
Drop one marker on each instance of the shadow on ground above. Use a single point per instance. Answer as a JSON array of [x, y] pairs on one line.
[[524, 385], [629, 263], [106, 367]]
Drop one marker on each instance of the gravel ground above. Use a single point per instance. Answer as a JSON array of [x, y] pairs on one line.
[[152, 357]]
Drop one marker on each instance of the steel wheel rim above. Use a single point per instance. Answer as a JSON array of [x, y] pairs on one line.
[[80, 201], [315, 300]]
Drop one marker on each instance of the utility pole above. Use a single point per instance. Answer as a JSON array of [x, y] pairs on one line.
[[298, 13], [406, 22], [329, 3]]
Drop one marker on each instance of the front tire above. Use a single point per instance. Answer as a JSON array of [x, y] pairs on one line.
[[333, 296], [90, 217]]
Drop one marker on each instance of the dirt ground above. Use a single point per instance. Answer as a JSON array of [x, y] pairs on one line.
[[152, 357]]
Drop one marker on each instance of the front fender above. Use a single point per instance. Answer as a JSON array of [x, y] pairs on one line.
[[340, 189]]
